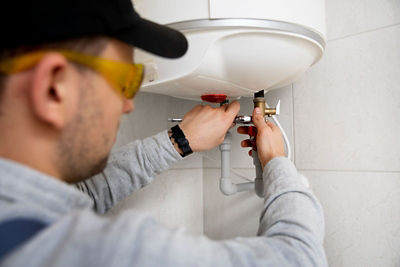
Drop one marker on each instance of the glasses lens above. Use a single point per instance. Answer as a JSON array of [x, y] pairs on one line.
[[135, 81]]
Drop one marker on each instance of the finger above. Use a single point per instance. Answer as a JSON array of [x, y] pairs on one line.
[[246, 143], [251, 152], [269, 124], [272, 126], [233, 108], [258, 119], [243, 129]]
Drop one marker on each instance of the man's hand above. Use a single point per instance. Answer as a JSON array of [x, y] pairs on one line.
[[269, 139], [205, 127]]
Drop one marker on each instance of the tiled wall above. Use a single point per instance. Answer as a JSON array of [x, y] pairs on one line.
[[342, 118], [347, 128]]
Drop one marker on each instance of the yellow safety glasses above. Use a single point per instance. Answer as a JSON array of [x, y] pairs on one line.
[[124, 77]]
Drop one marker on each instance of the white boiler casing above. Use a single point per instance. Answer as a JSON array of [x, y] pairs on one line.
[[236, 47]]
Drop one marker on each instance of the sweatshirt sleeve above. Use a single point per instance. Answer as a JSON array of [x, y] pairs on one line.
[[130, 168], [292, 218], [290, 234]]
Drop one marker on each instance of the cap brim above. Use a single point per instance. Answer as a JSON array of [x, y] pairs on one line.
[[155, 38]]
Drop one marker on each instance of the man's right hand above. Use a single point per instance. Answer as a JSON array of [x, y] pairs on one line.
[[205, 127], [269, 139]]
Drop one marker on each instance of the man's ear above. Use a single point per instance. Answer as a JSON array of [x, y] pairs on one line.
[[48, 90]]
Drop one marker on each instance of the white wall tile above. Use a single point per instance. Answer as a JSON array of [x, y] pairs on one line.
[[227, 217], [346, 17], [362, 216], [148, 118], [347, 106], [174, 198]]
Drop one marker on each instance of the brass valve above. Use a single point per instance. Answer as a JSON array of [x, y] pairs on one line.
[[260, 103]]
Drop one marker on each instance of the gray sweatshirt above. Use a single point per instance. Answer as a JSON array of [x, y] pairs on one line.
[[290, 234]]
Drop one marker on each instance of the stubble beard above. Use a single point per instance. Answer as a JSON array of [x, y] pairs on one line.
[[81, 155]]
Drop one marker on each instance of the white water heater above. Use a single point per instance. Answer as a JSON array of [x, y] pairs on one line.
[[236, 47]]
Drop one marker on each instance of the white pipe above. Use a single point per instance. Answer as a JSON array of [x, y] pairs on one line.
[[226, 185], [289, 151], [236, 173], [285, 138], [245, 186]]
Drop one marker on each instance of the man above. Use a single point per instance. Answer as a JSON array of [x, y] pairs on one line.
[[66, 79]]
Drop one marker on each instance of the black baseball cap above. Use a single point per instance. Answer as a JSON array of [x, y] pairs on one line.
[[35, 22]]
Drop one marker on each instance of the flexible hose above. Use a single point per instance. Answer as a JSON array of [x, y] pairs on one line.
[[285, 138]]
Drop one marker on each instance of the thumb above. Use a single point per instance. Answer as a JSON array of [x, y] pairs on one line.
[[233, 108], [258, 119]]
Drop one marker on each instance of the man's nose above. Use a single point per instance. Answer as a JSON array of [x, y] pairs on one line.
[[128, 105]]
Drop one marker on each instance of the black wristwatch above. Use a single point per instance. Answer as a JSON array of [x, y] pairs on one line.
[[181, 140]]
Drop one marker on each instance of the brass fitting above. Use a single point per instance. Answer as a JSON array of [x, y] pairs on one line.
[[260, 102], [270, 111]]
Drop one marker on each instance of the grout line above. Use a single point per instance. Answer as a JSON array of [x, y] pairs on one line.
[[218, 168], [312, 170], [293, 129], [203, 204], [363, 32], [203, 189], [352, 171], [239, 168], [185, 168]]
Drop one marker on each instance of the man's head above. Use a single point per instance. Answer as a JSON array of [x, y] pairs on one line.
[[59, 116], [70, 112]]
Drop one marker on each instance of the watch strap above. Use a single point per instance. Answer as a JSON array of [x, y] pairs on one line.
[[181, 140]]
